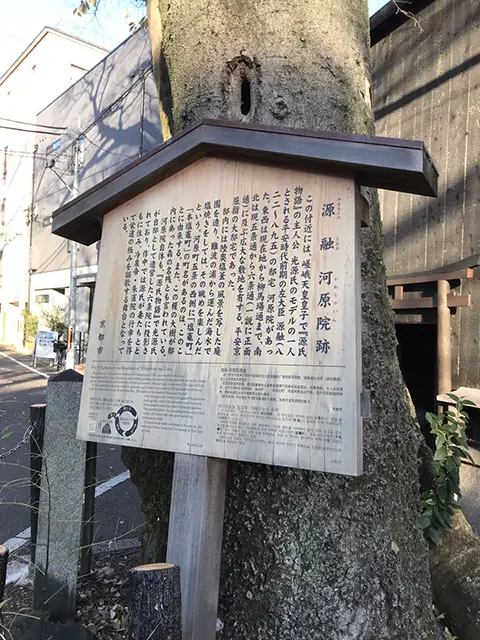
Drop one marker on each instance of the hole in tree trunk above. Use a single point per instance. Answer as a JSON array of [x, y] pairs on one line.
[[245, 97]]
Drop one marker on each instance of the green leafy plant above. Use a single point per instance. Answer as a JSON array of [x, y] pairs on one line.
[[84, 7], [55, 319], [92, 6], [30, 325], [438, 504]]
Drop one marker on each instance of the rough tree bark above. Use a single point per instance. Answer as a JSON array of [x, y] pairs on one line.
[[151, 472], [307, 556], [454, 566], [455, 570]]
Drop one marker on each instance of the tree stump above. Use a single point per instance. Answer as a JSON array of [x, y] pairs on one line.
[[3, 569], [155, 610]]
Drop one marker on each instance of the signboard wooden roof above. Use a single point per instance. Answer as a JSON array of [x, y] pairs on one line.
[[387, 163]]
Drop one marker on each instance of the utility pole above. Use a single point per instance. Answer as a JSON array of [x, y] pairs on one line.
[[72, 303], [31, 218]]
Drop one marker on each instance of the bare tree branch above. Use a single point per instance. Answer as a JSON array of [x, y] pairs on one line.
[[409, 14]]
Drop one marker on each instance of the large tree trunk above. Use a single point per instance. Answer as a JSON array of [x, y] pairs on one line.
[[151, 472], [308, 556], [454, 566], [455, 570]]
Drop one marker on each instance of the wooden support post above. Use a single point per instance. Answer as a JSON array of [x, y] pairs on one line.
[[3, 570], [453, 302], [37, 421], [195, 539], [155, 609], [444, 347]]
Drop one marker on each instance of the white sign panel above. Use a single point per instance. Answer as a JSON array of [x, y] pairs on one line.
[[44, 344], [226, 319]]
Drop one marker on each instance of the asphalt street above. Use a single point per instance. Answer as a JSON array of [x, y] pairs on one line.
[[117, 511]]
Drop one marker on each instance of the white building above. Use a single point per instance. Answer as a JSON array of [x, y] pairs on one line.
[[52, 62], [113, 110]]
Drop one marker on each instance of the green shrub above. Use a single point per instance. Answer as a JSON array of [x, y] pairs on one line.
[[30, 325], [55, 319], [439, 503]]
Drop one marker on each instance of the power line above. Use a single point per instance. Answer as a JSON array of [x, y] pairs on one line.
[[45, 133], [17, 152], [39, 185], [112, 153], [100, 117], [9, 222], [50, 191], [52, 256], [71, 190], [34, 124], [110, 107], [20, 153]]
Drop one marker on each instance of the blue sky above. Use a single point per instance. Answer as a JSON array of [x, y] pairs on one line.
[[22, 20], [375, 5]]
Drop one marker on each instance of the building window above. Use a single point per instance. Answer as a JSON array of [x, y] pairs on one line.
[[55, 146], [42, 298], [76, 73]]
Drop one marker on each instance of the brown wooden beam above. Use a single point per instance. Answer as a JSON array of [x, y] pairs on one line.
[[419, 278], [453, 302]]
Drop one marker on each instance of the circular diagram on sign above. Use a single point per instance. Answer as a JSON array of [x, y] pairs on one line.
[[126, 421]]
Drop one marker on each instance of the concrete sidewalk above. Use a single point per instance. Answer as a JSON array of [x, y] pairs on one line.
[[26, 358]]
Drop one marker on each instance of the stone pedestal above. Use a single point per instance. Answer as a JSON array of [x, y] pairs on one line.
[[61, 498]]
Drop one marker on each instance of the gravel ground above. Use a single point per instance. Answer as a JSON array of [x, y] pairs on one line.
[[101, 601]]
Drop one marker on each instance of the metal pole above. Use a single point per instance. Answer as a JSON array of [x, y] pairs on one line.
[[88, 509], [37, 421], [72, 302], [142, 118], [444, 346]]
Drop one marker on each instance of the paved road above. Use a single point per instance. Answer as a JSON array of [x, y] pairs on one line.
[[117, 510]]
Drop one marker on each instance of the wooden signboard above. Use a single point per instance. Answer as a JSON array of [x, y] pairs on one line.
[[226, 320]]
